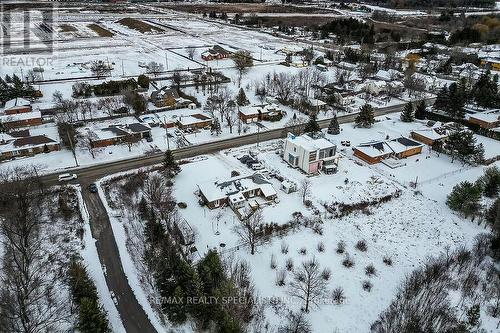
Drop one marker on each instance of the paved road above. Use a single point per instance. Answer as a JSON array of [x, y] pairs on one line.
[[133, 316], [91, 173]]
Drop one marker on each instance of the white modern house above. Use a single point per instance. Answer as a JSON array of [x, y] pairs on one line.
[[310, 154]]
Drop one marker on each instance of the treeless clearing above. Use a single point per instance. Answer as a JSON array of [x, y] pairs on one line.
[[138, 25], [100, 30]]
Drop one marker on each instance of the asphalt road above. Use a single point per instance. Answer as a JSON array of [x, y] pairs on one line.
[[133, 316]]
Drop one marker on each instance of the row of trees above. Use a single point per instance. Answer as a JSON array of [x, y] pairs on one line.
[[91, 315], [13, 87], [453, 98]]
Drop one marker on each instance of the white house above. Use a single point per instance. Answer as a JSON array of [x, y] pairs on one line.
[[310, 154]]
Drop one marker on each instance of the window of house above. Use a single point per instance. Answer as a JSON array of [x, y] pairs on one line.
[[312, 156]]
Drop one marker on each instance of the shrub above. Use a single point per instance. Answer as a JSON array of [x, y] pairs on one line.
[[143, 81], [280, 277], [308, 203], [341, 247], [326, 273], [370, 270], [182, 205], [338, 295], [114, 87], [367, 285], [284, 248], [289, 264], [361, 246], [387, 260], [303, 251], [273, 262], [321, 247], [348, 262]]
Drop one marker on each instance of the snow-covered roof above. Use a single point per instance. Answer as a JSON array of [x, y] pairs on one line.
[[382, 148], [489, 117], [193, 119], [256, 109], [308, 143], [20, 116], [16, 103], [432, 133], [217, 190]]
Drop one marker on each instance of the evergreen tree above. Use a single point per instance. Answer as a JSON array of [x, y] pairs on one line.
[[334, 127], [442, 99], [490, 182], [92, 317], [492, 215], [457, 95], [312, 125], [407, 113], [420, 110], [366, 117], [462, 145], [215, 128], [485, 91], [465, 198], [241, 98], [170, 164]]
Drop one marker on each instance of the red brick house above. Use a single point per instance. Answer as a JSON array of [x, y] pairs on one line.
[[17, 120], [17, 105], [26, 145], [215, 53]]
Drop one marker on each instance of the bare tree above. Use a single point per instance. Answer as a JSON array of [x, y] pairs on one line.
[[248, 230], [308, 284], [296, 323], [159, 194], [130, 140], [154, 68], [99, 68], [191, 51], [28, 294], [305, 189], [87, 141], [242, 61], [284, 86], [231, 115]]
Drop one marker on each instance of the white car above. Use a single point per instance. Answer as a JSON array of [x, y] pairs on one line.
[[67, 177]]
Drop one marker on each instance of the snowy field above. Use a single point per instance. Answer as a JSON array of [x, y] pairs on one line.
[[414, 224]]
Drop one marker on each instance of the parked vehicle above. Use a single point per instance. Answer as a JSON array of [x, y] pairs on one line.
[[257, 166], [93, 188], [67, 177]]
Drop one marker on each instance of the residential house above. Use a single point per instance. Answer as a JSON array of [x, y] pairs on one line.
[[194, 121], [491, 63], [236, 191], [430, 136], [215, 53], [347, 65], [116, 134], [17, 120], [375, 87], [317, 104], [309, 154], [387, 75], [168, 97], [17, 105], [259, 113], [375, 151], [21, 143], [488, 119]]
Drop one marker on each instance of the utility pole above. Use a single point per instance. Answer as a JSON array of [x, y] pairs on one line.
[[123, 69], [166, 131], [166, 59]]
